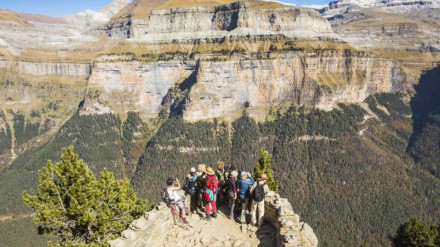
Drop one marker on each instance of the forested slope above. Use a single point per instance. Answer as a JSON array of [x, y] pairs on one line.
[[346, 171]]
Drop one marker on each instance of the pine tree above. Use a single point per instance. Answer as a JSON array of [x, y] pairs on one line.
[[79, 209], [264, 166], [414, 234]]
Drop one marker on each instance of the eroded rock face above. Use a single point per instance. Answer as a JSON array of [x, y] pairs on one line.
[[316, 78], [218, 87], [43, 68], [189, 23], [133, 85]]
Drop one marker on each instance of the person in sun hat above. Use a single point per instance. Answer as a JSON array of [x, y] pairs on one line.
[[201, 175], [220, 173], [209, 189], [258, 191]]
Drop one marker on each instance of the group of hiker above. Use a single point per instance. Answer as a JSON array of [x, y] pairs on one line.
[[206, 190]]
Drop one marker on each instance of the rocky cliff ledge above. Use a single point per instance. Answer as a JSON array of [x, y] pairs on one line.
[[156, 228], [236, 19], [212, 86], [44, 68]]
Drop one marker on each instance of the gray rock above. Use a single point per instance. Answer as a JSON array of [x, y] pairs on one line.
[[238, 243], [128, 234]]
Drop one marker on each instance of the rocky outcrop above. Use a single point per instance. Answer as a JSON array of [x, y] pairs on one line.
[[315, 78], [291, 232], [212, 86], [240, 18], [156, 228], [134, 84], [44, 68]]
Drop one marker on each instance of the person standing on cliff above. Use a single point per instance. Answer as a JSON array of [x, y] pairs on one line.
[[231, 192], [201, 175], [244, 184], [258, 191], [191, 189], [220, 173], [209, 190]]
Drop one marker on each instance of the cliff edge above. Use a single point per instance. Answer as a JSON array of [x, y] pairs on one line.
[[282, 228]]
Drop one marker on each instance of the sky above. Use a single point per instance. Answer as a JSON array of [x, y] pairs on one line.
[[58, 8]]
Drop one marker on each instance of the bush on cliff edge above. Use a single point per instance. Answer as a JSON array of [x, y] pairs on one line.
[[79, 209]]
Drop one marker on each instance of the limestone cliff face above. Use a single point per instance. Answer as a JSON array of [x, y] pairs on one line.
[[220, 87], [240, 18], [317, 78], [44, 68], [133, 85]]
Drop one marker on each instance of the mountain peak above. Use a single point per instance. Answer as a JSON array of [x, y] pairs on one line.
[[114, 7], [400, 6]]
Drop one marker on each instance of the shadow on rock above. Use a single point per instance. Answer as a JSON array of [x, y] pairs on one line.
[[424, 144]]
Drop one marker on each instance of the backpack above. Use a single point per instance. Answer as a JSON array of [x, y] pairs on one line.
[[208, 195], [258, 193], [165, 196], [190, 187], [211, 184], [221, 176]]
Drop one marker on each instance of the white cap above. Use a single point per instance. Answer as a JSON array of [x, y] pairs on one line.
[[193, 169], [234, 174]]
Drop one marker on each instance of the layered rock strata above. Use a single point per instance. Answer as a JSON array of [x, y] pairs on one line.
[[400, 6], [212, 86], [189, 23], [44, 68]]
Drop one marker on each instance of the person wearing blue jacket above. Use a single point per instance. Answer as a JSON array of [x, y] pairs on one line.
[[244, 187]]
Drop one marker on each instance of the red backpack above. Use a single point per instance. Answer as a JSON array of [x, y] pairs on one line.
[[211, 184]]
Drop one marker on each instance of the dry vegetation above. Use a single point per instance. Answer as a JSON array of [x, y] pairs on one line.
[[148, 51], [412, 62], [267, 5], [138, 9], [7, 15]]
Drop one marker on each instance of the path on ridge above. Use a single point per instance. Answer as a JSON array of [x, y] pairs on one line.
[[220, 231], [156, 229]]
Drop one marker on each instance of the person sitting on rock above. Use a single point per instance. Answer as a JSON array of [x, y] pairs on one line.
[[231, 192], [258, 192], [174, 198], [209, 190], [220, 174], [244, 185], [191, 189]]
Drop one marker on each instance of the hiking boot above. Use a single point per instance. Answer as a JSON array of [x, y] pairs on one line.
[[214, 215], [207, 217], [184, 221]]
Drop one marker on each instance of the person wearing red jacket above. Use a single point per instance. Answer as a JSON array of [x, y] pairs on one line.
[[210, 185]]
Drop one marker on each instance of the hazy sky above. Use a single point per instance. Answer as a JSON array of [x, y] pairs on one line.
[[61, 7]]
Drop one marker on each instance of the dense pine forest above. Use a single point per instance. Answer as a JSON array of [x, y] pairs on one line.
[[354, 174]]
